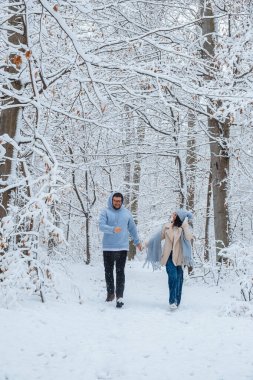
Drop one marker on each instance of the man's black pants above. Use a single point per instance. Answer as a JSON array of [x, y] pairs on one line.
[[119, 258]]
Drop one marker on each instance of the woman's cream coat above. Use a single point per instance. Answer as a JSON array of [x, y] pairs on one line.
[[170, 234]]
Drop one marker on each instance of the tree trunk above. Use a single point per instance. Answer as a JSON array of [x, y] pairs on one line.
[[127, 164], [86, 211], [178, 160], [87, 224], [219, 133], [136, 187], [128, 175], [191, 160], [219, 170], [207, 224], [9, 117]]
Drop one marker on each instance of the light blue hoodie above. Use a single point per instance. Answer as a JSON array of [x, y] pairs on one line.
[[111, 218]]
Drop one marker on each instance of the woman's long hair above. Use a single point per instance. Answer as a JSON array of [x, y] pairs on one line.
[[177, 222]]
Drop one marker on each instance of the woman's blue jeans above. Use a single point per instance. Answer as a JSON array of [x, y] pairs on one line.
[[175, 281]]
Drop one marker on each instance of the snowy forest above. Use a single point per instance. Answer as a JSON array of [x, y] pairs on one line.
[[153, 98]]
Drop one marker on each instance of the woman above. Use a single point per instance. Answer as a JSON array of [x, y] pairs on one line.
[[176, 252], [175, 234]]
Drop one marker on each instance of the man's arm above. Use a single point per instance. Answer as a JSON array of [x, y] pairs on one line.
[[133, 232], [103, 226]]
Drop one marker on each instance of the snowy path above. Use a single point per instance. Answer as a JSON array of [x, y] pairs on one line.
[[92, 341]]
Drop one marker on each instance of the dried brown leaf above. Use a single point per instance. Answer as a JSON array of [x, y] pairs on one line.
[[28, 54], [17, 60]]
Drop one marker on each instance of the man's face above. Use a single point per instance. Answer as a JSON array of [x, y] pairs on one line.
[[116, 202]]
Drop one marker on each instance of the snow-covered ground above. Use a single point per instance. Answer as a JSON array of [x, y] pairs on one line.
[[65, 340]]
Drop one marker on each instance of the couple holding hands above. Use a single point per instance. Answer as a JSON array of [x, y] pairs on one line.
[[116, 222]]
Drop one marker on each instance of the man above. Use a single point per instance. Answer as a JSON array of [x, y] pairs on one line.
[[116, 222]]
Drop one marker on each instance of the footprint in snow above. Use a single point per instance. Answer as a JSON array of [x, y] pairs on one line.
[[104, 376]]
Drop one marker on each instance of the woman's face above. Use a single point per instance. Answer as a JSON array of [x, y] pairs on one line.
[[173, 216]]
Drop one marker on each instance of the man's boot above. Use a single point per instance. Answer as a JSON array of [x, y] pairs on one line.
[[110, 297]]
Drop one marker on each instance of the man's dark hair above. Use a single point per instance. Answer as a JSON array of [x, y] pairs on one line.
[[118, 195], [177, 222]]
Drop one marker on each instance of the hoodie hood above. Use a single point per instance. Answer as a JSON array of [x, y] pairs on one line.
[[182, 214], [109, 202]]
